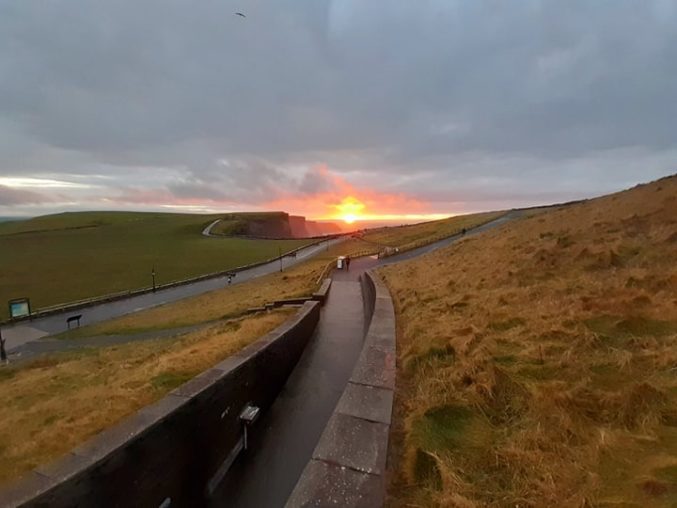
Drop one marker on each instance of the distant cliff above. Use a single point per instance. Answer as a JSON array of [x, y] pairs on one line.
[[272, 225], [300, 227]]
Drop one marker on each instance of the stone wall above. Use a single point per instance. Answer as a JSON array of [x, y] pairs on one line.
[[173, 452], [348, 467]]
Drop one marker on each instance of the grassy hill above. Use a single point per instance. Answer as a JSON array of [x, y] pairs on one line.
[[66, 257], [537, 363], [414, 235], [265, 224]]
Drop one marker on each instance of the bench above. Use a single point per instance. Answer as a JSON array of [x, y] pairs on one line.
[[73, 319]]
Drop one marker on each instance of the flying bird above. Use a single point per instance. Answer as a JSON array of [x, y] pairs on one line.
[[240, 14]]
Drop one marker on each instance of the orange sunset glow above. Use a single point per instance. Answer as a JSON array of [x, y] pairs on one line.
[[339, 200], [350, 209]]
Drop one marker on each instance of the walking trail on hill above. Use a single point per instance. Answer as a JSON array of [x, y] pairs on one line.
[[283, 441]]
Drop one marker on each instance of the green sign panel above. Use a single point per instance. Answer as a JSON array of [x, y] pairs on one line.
[[19, 308]]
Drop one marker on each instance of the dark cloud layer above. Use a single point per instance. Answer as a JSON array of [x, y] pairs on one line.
[[520, 101]]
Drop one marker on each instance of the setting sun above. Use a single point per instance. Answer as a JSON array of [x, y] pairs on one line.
[[349, 210]]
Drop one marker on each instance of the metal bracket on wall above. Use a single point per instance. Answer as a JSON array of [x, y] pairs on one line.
[[248, 416]]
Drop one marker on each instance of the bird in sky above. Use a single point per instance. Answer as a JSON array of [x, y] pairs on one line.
[[240, 14]]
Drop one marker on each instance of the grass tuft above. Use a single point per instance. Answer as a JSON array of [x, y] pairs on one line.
[[426, 471], [167, 381]]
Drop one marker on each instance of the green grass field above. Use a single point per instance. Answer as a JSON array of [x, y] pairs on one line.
[[67, 257]]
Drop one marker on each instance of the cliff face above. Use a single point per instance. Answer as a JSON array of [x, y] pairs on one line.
[[301, 228], [315, 228], [272, 225], [276, 226], [297, 225]]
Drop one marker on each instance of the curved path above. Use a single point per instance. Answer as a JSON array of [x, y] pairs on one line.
[[27, 331], [208, 230], [284, 439]]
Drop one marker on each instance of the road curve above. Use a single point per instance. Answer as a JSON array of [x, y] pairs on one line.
[[208, 230], [28, 331]]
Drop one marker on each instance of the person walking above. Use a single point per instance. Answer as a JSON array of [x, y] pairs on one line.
[[347, 263]]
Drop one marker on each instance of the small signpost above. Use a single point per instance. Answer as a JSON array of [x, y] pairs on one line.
[[19, 308]]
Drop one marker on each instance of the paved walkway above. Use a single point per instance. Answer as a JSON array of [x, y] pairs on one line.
[[33, 349], [284, 439], [27, 331]]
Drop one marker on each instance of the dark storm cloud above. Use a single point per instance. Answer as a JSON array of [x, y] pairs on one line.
[[426, 97]]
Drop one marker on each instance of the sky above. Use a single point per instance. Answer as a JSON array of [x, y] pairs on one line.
[[377, 109]]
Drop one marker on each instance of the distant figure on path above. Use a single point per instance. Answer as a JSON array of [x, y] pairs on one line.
[[463, 231], [347, 263]]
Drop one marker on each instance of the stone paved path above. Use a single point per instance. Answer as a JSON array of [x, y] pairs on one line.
[[265, 475]]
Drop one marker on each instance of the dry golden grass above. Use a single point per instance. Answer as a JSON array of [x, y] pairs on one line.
[[56, 402], [408, 237], [538, 362]]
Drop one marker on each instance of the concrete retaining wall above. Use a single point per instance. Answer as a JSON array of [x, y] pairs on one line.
[[321, 294], [368, 298], [170, 453], [348, 467]]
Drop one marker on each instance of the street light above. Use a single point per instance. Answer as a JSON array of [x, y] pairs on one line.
[[279, 249], [153, 275], [3, 353]]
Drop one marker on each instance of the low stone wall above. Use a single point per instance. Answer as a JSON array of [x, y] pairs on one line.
[[321, 294], [348, 467], [175, 451], [368, 298]]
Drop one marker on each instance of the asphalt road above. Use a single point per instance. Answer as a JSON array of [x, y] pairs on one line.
[[283, 440], [27, 331]]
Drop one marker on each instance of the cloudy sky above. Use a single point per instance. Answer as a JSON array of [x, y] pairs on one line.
[[409, 107]]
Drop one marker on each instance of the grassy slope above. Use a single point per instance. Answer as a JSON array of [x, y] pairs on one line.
[[537, 363], [407, 237], [67, 257], [54, 403], [294, 282]]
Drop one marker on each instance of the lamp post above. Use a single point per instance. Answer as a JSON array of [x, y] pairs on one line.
[[279, 249], [153, 275], [3, 353]]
